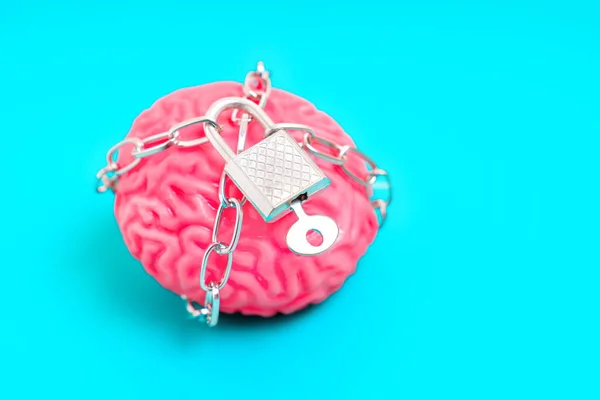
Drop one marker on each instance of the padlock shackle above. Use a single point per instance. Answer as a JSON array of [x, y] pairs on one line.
[[226, 103]]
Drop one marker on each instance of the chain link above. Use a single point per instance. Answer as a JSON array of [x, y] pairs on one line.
[[110, 155], [382, 204], [165, 140], [257, 87], [108, 175], [106, 178], [239, 215], [213, 248], [210, 311], [185, 144], [310, 141], [368, 180]]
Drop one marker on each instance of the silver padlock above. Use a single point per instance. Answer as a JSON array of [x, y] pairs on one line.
[[275, 175]]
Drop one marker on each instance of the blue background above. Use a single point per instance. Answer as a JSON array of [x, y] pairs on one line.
[[483, 284]]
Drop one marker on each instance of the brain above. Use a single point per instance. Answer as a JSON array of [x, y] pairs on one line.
[[166, 206]]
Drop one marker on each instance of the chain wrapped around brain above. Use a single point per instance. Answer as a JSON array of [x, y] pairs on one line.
[[186, 240]]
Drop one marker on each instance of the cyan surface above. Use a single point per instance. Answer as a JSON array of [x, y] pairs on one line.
[[483, 283]]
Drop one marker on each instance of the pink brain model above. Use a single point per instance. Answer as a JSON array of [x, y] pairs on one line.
[[166, 206]]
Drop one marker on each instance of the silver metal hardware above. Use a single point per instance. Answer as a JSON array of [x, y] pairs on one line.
[[211, 303], [273, 172], [381, 206], [262, 76], [195, 142], [286, 178], [170, 137], [210, 312], [109, 174], [253, 79], [296, 236], [195, 312], [241, 144], [386, 186], [106, 178], [227, 249], [110, 155], [370, 178], [309, 142], [222, 196], [212, 248], [338, 155], [236, 103]]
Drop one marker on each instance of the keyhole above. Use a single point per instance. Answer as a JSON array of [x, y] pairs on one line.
[[314, 237]]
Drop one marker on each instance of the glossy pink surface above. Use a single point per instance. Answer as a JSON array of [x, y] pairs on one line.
[[166, 206]]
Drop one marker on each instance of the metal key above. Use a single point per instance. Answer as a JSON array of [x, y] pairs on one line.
[[296, 236]]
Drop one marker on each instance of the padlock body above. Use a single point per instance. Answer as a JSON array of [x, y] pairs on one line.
[[274, 172]]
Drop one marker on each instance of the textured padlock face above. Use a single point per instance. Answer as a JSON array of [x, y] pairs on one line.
[[278, 171], [166, 206]]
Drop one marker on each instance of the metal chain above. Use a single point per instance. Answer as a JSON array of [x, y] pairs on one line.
[[257, 87], [338, 155], [142, 148], [210, 311]]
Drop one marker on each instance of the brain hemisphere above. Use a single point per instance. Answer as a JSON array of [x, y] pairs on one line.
[[166, 207]]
